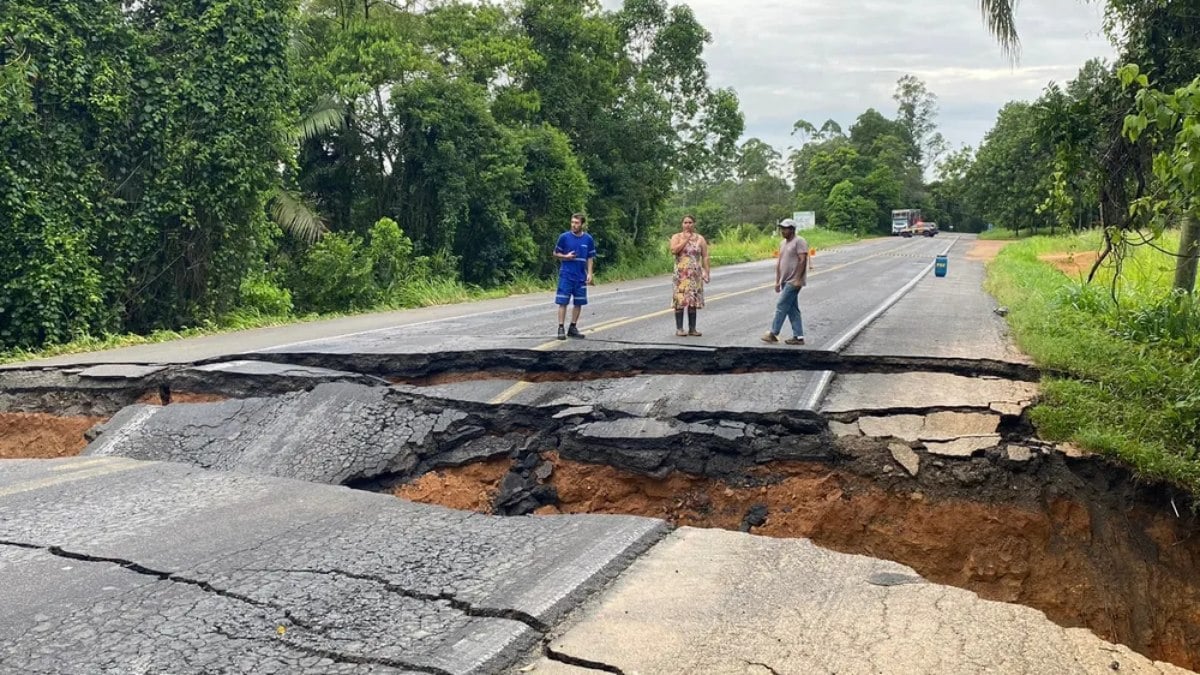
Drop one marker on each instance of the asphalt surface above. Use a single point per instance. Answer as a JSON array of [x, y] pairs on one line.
[[849, 287], [846, 284], [113, 565]]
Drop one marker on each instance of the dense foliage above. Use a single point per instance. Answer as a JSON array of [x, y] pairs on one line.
[[852, 180], [1100, 152], [168, 162], [140, 143]]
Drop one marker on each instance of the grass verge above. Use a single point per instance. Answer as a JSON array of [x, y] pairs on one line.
[[740, 245], [1127, 348]]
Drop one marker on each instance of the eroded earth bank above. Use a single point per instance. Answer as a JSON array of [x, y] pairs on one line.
[[953, 482]]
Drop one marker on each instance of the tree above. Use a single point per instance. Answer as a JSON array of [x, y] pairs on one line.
[[758, 159], [917, 113], [998, 15], [135, 189], [1003, 189], [871, 126], [847, 209], [1174, 115]]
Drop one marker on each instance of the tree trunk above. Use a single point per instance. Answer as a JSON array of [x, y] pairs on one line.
[[1189, 253]]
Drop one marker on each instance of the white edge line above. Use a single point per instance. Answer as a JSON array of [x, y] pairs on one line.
[[849, 335], [827, 375], [818, 391]]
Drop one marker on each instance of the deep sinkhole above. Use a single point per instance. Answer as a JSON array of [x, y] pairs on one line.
[[1071, 534]]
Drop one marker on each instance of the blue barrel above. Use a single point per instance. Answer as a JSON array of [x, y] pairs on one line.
[[939, 266]]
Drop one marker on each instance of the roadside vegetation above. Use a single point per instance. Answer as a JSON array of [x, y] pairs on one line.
[[1109, 160], [177, 167], [1126, 348]]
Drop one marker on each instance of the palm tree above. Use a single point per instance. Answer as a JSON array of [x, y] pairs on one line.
[[998, 15], [287, 206]]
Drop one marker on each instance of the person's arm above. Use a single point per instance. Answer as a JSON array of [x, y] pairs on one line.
[[561, 254], [778, 270], [801, 266], [591, 259], [678, 242]]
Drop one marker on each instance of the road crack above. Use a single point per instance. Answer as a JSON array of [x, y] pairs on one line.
[[331, 654], [139, 568], [578, 662], [336, 656], [454, 601]]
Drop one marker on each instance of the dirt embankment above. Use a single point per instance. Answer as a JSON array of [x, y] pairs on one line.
[[985, 249], [42, 435], [1076, 264], [1127, 575]]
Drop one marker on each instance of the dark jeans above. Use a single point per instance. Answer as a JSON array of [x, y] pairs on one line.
[[789, 307]]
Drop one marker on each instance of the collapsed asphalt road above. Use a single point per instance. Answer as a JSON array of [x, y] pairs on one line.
[[165, 568], [899, 432]]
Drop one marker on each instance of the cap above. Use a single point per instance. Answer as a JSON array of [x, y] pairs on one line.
[[787, 222]]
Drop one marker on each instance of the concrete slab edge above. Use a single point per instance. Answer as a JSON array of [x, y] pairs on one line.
[[592, 569]]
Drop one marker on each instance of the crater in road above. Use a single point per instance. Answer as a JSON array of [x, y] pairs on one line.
[[952, 480]]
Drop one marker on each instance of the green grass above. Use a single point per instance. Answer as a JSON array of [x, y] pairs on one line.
[[1127, 352], [744, 244], [997, 233]]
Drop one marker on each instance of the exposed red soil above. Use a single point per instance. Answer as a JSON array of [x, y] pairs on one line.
[[985, 249], [154, 398], [1129, 579], [467, 488], [43, 436], [1075, 265]]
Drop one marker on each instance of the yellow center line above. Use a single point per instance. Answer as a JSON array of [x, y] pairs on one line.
[[113, 466], [604, 324], [522, 385], [508, 394], [733, 294], [81, 463]]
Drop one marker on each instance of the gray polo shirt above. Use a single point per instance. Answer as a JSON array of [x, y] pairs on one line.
[[790, 254]]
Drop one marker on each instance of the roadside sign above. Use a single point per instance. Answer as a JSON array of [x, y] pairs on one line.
[[805, 220]]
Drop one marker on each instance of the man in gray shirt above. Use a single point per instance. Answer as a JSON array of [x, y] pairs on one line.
[[791, 273]]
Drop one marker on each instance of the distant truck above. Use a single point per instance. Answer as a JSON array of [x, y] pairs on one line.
[[903, 219]]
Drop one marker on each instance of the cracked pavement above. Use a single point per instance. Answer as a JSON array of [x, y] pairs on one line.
[[217, 537], [159, 567]]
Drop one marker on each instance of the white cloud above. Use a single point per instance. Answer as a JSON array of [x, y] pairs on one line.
[[822, 59]]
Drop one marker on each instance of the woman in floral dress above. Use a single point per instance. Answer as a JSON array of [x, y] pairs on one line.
[[691, 273]]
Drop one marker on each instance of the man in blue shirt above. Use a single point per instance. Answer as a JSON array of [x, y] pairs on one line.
[[576, 253]]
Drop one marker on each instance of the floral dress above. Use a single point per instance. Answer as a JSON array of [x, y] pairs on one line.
[[689, 276]]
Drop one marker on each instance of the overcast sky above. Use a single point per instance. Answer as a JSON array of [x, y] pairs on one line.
[[822, 59]]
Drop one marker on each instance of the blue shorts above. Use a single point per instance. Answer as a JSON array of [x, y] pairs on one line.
[[571, 288]]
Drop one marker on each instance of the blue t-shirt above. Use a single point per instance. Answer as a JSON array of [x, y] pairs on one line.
[[584, 248]]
